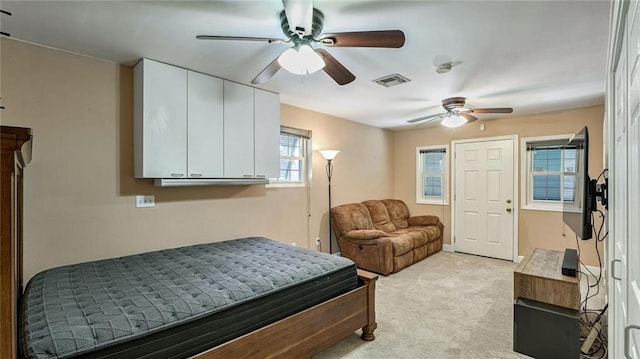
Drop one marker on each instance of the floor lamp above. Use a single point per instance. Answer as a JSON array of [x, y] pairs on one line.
[[329, 155]]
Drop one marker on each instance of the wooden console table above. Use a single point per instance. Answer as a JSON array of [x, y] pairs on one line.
[[546, 319], [539, 277]]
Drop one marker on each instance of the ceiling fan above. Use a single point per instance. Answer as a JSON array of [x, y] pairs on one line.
[[457, 114], [302, 26]]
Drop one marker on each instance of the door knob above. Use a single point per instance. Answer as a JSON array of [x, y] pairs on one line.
[[509, 210], [508, 201]]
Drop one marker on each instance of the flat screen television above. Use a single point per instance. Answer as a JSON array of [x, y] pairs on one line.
[[578, 200]]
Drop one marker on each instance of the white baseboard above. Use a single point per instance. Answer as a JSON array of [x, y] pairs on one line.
[[447, 248], [594, 270]]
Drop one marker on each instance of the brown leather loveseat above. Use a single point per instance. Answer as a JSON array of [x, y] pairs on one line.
[[380, 236]]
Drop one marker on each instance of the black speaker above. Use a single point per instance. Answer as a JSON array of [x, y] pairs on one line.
[[545, 331]]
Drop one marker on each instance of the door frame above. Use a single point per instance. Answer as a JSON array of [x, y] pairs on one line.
[[516, 186]]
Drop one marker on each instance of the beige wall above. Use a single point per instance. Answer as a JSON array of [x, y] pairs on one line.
[[536, 228], [79, 187]]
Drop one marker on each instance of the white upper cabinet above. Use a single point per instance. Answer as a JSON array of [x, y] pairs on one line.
[[267, 134], [192, 127], [238, 131], [205, 126], [160, 118]]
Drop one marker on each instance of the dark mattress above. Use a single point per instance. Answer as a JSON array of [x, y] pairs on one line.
[[176, 302]]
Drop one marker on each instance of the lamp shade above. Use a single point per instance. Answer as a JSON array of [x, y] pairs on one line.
[[453, 121], [301, 60], [329, 154]]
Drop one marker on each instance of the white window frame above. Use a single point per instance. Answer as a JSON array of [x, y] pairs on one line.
[[420, 198], [305, 171], [526, 191]]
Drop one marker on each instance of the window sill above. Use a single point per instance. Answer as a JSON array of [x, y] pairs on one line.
[[437, 202], [543, 207]]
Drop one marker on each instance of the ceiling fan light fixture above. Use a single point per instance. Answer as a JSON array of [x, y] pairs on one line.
[[453, 121], [301, 60]]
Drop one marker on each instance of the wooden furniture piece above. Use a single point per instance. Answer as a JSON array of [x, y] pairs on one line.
[[16, 153], [308, 332], [546, 320], [539, 277]]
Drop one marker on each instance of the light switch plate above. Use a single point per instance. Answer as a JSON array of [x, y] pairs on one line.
[[145, 201]]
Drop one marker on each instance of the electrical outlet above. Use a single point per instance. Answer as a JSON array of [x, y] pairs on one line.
[[145, 201], [318, 241]]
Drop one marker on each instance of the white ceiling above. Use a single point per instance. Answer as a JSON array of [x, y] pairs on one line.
[[534, 56]]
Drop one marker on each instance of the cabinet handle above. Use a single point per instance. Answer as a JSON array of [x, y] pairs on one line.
[[177, 174], [613, 273], [247, 176], [627, 336], [196, 175], [261, 176]]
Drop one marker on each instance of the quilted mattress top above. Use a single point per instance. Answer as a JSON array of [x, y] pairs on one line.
[[74, 309]]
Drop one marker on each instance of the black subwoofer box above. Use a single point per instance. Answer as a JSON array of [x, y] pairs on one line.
[[545, 331]]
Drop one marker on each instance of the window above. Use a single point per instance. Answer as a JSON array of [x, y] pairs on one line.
[[294, 154], [549, 173], [432, 175]]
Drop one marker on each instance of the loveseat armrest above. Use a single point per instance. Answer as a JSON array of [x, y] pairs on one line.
[[425, 220], [375, 254], [365, 234]]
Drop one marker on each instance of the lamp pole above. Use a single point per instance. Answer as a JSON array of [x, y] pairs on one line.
[[329, 173], [329, 155]]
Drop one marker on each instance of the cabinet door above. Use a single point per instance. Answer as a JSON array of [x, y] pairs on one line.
[[160, 100], [205, 126], [238, 130], [267, 134]]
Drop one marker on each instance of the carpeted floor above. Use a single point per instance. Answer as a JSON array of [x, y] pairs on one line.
[[450, 305]]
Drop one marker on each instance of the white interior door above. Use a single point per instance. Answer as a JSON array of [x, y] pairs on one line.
[[619, 230], [484, 209], [633, 139]]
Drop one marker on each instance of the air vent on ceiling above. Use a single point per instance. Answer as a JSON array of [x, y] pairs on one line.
[[391, 80]]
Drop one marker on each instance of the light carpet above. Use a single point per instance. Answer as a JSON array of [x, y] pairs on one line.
[[450, 305]]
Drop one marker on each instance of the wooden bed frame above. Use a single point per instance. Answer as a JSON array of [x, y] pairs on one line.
[[300, 335]]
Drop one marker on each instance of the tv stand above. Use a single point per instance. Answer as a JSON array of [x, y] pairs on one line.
[[546, 320]]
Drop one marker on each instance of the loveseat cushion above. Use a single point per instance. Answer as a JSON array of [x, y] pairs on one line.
[[417, 234], [379, 215], [401, 243], [432, 233], [349, 217], [398, 212]]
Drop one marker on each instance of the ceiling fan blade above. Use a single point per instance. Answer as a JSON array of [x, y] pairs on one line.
[[241, 38], [268, 72], [468, 116], [299, 15], [427, 118], [384, 38], [335, 69], [493, 110]]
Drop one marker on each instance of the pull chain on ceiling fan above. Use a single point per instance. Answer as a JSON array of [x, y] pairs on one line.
[[302, 26], [457, 114]]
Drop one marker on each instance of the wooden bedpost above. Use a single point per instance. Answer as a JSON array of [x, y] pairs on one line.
[[369, 280], [15, 155]]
